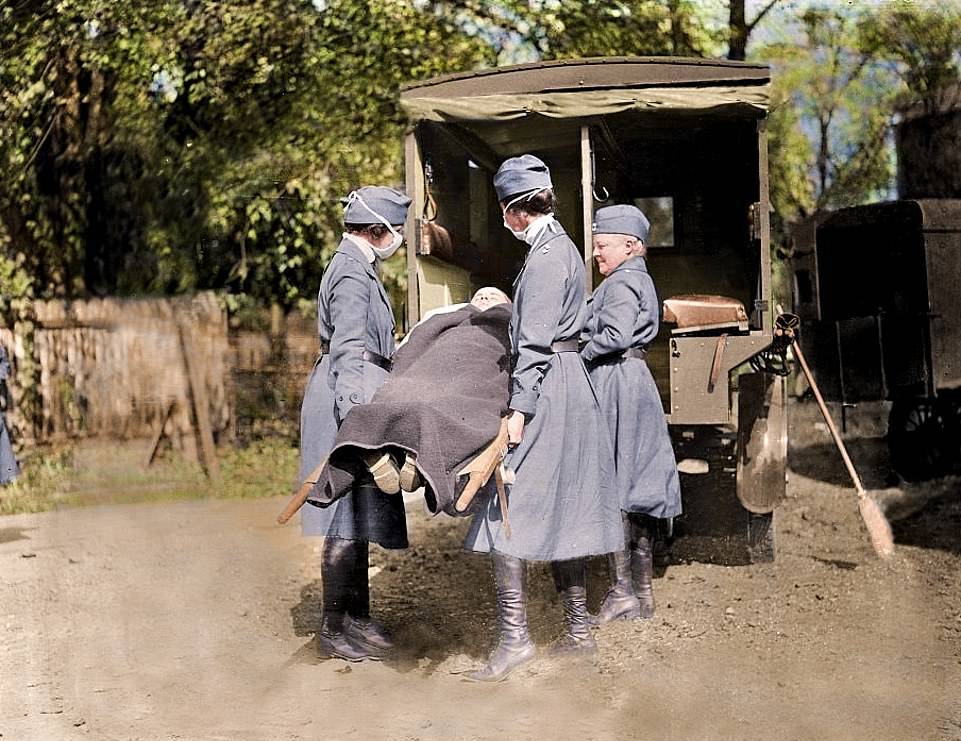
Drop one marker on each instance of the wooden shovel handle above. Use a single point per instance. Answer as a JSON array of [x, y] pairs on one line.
[[796, 347]]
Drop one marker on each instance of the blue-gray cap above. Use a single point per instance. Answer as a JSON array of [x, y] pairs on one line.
[[621, 219], [521, 175], [374, 204]]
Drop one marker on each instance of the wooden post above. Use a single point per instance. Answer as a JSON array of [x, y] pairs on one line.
[[164, 416], [201, 404], [587, 203]]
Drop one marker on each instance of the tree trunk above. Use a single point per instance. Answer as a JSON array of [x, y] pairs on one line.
[[738, 30]]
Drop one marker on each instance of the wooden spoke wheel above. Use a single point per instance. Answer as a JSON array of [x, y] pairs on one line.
[[916, 438]]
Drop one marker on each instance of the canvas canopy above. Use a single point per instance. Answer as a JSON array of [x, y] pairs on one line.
[[594, 87]]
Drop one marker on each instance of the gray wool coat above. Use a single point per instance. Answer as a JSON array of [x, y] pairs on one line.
[[9, 470], [353, 314], [560, 506], [625, 313]]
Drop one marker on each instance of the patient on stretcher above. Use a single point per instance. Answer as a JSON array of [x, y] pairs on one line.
[[443, 404]]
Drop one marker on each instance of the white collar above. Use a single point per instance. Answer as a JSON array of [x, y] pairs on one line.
[[363, 246], [537, 227]]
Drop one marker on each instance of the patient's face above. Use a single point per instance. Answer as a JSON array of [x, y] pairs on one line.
[[488, 297]]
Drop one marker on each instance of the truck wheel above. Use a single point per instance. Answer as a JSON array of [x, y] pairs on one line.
[[760, 537], [916, 438]]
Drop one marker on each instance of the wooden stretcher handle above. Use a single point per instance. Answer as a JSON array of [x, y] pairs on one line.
[[298, 499], [481, 468]]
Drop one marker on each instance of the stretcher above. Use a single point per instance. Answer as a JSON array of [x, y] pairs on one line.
[[487, 463]]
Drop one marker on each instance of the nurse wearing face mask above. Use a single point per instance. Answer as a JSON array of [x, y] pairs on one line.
[[559, 506], [356, 326]]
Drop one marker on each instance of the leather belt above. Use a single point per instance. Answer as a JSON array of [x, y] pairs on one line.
[[564, 346], [368, 355], [632, 352]]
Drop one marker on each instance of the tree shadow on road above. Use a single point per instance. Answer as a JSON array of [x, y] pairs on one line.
[[823, 462]]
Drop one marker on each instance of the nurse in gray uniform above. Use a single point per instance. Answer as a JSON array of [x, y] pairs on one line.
[[9, 469], [356, 326], [624, 319], [560, 508]]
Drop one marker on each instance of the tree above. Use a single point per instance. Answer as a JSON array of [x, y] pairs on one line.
[[830, 118], [739, 29], [542, 29], [920, 41], [175, 145]]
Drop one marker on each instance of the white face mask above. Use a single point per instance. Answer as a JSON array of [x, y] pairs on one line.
[[398, 239], [521, 235]]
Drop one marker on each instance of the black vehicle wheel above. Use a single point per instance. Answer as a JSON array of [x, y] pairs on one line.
[[916, 438]]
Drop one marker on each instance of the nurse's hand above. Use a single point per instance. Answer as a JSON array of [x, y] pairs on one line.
[[515, 427]]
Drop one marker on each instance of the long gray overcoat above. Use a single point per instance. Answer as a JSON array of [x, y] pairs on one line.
[[560, 505], [9, 470], [353, 314], [625, 313]]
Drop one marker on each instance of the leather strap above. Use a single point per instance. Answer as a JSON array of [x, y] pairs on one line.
[[502, 500], [378, 360], [369, 355], [716, 363], [564, 346]]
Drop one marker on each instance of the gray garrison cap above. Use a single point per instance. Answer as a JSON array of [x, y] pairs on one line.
[[520, 175], [621, 219], [364, 205]]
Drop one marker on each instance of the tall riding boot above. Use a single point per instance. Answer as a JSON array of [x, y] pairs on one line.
[[570, 578], [620, 602], [642, 561], [514, 646], [337, 574], [358, 623]]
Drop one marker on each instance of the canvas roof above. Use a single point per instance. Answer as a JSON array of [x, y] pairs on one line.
[[591, 87]]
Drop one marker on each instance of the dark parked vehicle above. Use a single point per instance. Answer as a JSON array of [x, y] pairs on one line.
[[881, 299], [686, 141]]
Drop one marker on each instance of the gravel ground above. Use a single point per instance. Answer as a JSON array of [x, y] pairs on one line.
[[193, 620]]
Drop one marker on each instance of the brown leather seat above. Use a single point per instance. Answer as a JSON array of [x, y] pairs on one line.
[[703, 311]]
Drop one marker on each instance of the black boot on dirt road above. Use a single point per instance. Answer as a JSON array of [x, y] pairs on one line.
[[336, 638], [514, 646], [620, 602], [642, 562], [570, 578], [359, 625]]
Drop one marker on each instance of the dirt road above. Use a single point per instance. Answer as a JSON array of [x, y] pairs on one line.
[[192, 620]]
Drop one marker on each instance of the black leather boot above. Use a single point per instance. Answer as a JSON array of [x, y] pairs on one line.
[[642, 561], [570, 578], [514, 646], [358, 624], [337, 575], [620, 602]]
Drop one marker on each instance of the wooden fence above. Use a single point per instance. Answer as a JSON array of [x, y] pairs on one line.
[[117, 367]]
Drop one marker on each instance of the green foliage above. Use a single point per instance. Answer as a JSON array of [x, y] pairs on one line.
[[174, 145], [559, 29], [922, 40]]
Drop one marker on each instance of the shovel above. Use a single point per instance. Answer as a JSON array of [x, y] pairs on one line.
[[874, 520]]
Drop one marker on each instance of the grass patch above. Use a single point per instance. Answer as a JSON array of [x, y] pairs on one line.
[[111, 472]]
